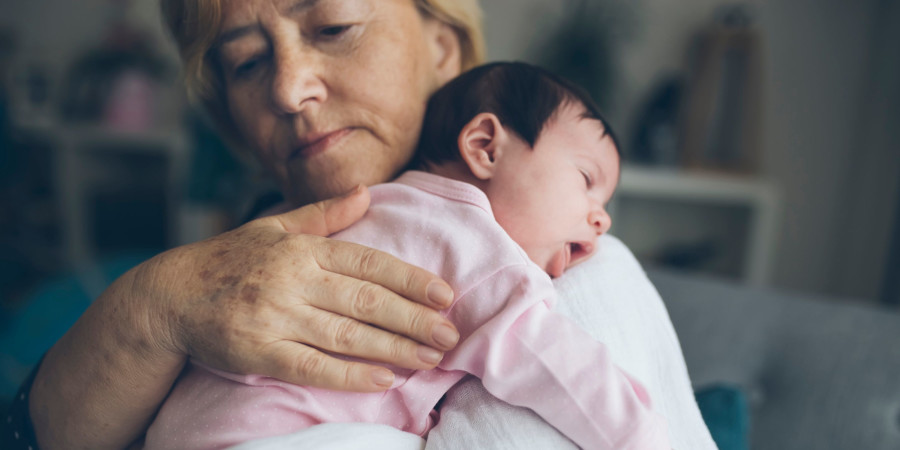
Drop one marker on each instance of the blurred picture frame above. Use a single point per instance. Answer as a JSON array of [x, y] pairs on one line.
[[722, 128]]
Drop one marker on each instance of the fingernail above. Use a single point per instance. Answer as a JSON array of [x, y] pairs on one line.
[[383, 377], [429, 355], [445, 336], [439, 293]]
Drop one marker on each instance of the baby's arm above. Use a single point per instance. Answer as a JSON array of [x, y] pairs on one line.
[[529, 356]]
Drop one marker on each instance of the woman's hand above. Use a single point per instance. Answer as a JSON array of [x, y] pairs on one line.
[[267, 297]]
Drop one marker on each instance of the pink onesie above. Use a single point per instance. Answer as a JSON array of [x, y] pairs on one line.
[[524, 353]]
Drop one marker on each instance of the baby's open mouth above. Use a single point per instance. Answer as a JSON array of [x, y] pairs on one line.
[[577, 252]]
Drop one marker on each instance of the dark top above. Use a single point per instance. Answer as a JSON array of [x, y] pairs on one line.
[[17, 431]]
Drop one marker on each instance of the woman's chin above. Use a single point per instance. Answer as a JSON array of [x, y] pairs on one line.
[[315, 187], [339, 170]]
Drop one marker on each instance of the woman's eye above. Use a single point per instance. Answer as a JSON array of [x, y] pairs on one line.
[[332, 31], [248, 67]]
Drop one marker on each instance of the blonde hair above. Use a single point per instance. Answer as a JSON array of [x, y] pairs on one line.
[[194, 24]]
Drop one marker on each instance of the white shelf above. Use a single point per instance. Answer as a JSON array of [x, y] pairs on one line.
[[694, 186], [758, 195]]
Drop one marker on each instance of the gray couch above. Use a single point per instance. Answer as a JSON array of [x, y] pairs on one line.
[[818, 373]]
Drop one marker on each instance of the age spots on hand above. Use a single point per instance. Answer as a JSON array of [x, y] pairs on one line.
[[229, 280], [250, 293]]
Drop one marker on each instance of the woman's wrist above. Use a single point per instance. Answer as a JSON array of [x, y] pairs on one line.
[[153, 293], [101, 383]]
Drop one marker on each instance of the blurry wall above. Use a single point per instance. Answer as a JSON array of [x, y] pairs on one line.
[[874, 162], [831, 97], [54, 32]]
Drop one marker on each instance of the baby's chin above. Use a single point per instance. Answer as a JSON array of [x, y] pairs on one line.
[[573, 254], [556, 264]]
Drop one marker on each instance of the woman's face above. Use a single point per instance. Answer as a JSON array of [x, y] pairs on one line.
[[330, 93]]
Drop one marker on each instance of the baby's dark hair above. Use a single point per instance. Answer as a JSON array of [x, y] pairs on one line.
[[524, 98]]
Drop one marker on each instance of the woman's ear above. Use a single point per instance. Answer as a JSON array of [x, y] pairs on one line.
[[445, 50], [481, 143]]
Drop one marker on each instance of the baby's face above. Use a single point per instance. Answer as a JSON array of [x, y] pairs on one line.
[[552, 198]]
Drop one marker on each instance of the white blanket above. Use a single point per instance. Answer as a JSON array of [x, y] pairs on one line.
[[611, 298]]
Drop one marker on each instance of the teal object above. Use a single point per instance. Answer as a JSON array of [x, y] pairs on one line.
[[29, 331], [725, 411]]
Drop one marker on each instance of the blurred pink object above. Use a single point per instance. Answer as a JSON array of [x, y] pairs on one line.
[[130, 105]]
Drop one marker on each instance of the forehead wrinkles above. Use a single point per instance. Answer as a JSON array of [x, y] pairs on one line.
[[241, 18], [241, 13], [255, 18]]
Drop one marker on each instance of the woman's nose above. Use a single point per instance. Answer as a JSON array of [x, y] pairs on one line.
[[600, 220], [297, 81]]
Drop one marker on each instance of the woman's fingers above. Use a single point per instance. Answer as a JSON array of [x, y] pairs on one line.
[[363, 263], [366, 302], [306, 366], [390, 282], [370, 304], [343, 335], [326, 217], [374, 304]]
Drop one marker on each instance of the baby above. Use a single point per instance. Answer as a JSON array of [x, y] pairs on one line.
[[515, 169]]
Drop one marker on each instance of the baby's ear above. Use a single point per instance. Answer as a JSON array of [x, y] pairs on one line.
[[481, 143]]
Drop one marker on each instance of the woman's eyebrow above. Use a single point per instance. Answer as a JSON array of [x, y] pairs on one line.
[[302, 5], [235, 34], [239, 32]]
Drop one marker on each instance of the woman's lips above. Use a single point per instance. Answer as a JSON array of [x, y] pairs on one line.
[[315, 143]]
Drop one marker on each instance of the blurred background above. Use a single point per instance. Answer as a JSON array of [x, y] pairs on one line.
[[758, 139], [757, 133]]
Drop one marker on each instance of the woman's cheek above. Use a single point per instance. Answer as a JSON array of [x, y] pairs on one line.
[[256, 127]]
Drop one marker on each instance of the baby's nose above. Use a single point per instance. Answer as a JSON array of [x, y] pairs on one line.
[[600, 221]]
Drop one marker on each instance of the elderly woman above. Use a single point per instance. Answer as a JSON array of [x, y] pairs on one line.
[[328, 96]]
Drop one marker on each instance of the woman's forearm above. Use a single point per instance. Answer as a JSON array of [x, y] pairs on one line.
[[101, 384]]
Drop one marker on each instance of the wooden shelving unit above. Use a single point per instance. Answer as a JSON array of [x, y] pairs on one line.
[[695, 203]]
